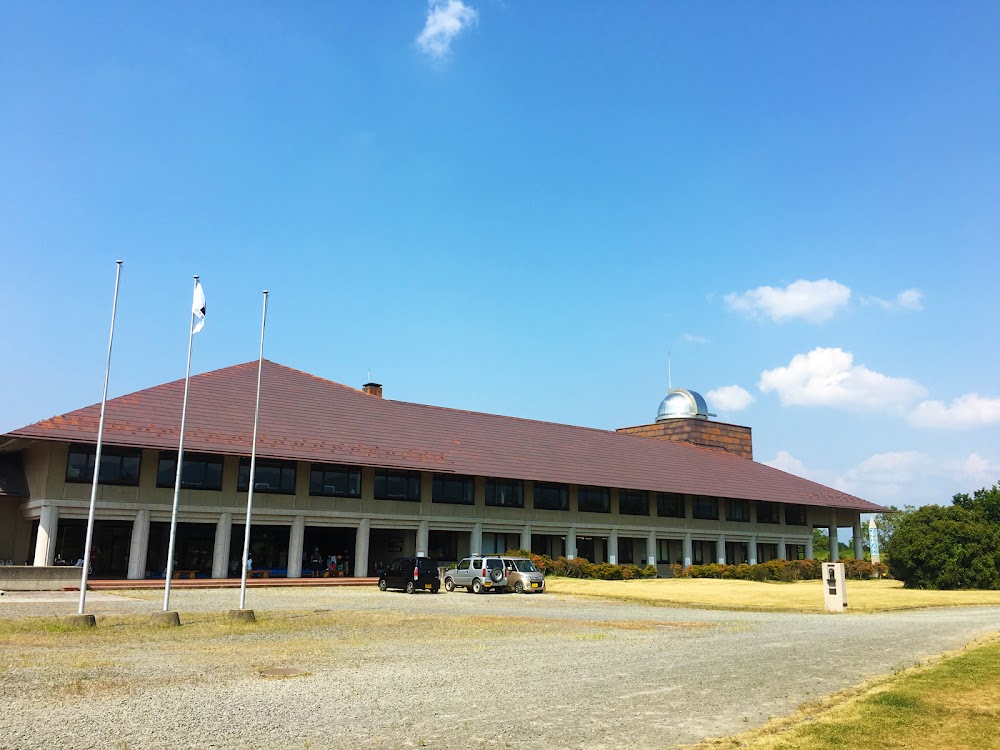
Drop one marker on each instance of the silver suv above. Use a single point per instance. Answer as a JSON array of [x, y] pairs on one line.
[[477, 574]]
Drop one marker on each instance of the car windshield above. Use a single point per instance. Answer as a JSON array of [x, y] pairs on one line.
[[525, 566]]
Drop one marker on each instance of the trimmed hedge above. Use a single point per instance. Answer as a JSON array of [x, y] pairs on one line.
[[779, 570], [580, 567]]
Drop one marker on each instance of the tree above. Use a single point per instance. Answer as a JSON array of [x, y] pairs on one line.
[[950, 547], [986, 502], [821, 545]]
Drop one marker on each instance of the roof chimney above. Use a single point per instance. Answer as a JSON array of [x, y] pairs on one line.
[[372, 389]]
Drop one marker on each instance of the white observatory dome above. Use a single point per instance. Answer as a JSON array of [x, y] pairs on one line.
[[680, 403]]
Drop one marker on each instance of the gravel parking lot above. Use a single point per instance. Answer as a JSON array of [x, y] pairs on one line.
[[571, 673]]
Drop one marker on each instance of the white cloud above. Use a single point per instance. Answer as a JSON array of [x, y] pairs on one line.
[[829, 377], [693, 339], [813, 301], [970, 410], [908, 299], [900, 477], [729, 398], [446, 19]]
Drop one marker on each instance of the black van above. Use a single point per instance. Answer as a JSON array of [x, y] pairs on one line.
[[411, 574]]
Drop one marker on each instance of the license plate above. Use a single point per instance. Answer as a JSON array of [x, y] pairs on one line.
[[487, 585], [428, 585], [535, 585]]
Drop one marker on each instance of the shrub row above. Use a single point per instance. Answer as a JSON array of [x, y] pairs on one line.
[[779, 570], [580, 567]]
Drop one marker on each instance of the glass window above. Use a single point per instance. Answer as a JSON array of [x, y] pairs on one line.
[[452, 488], [633, 502], [394, 484], [551, 496], [593, 499], [737, 510], [795, 515], [670, 505], [525, 566], [464, 565], [118, 465], [335, 481], [477, 563], [767, 513], [507, 493], [706, 508], [277, 477], [200, 471]]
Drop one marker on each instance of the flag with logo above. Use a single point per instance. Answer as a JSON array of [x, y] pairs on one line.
[[198, 308]]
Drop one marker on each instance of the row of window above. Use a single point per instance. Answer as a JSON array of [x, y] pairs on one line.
[[204, 472]]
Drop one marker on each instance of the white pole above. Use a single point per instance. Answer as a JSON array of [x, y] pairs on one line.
[[97, 456], [180, 463], [253, 461]]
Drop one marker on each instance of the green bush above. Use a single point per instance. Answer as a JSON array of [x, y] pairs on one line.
[[952, 547]]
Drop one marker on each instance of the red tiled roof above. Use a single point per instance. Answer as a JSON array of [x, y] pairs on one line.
[[307, 418]]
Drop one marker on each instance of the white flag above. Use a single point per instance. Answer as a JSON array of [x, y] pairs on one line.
[[198, 308]]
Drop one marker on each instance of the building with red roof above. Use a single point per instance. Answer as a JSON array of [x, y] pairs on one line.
[[351, 474]]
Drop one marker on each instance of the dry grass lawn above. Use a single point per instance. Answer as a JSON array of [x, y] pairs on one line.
[[801, 596], [951, 705]]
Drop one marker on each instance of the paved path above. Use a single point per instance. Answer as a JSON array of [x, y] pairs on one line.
[[609, 675]]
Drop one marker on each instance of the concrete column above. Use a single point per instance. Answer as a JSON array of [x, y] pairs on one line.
[[571, 543], [296, 537], [752, 550], [361, 548], [688, 554], [834, 543], [782, 552], [476, 539], [613, 547], [423, 538], [810, 555], [45, 544], [651, 548], [223, 540], [138, 546], [526, 538], [859, 548], [720, 549]]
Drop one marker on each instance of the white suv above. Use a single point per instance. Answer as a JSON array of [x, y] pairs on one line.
[[477, 574]]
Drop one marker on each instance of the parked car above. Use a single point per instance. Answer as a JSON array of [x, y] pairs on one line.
[[522, 576], [477, 574], [411, 574]]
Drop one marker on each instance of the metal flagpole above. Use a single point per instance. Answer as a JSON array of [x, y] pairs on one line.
[[97, 456], [180, 463], [253, 461]]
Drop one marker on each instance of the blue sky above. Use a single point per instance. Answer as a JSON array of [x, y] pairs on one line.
[[520, 208]]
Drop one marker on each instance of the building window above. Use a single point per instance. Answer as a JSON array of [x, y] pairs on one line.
[[395, 484], [626, 552], [118, 465], [633, 502], [705, 508], [499, 544], [795, 515], [669, 505], [505, 493], [767, 513], [452, 488], [669, 551], [277, 477], [200, 471], [551, 496], [593, 499], [795, 551], [328, 480], [738, 510]]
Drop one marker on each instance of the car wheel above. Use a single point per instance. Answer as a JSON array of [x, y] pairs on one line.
[[518, 588], [477, 586], [382, 585], [449, 585], [436, 591], [496, 575], [410, 588]]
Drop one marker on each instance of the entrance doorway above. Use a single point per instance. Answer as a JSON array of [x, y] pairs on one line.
[[194, 546], [335, 545], [268, 548], [385, 545], [109, 546]]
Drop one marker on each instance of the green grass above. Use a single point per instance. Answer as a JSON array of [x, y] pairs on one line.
[[951, 705]]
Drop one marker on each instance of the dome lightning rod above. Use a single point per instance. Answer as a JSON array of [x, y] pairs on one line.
[[97, 457]]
